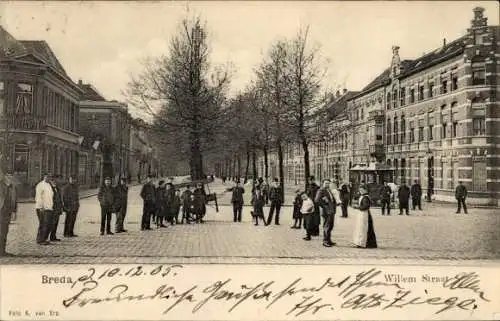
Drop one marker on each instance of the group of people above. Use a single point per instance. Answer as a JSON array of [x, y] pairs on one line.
[[52, 198]]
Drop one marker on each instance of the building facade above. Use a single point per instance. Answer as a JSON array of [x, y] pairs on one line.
[[435, 116], [38, 112]]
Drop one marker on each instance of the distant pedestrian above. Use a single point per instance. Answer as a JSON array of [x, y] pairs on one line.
[[307, 209], [237, 201], [44, 204], [404, 198], [106, 199], [416, 195], [258, 202], [57, 208], [176, 205], [364, 232], [386, 198], [344, 198], [297, 215], [121, 201], [430, 188], [195, 208], [200, 199], [160, 204], [148, 195], [311, 191], [71, 205], [328, 200], [276, 202], [169, 203], [8, 206], [461, 195]]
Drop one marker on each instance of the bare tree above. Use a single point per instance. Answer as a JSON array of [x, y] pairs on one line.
[[304, 96], [183, 94]]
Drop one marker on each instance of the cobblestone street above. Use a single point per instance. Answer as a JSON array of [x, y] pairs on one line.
[[436, 233]]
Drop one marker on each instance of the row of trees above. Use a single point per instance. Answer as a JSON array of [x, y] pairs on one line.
[[195, 120]]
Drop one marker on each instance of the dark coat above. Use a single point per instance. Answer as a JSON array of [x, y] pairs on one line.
[[200, 196], [460, 192], [148, 193], [71, 198], [160, 200], [275, 195], [403, 194], [237, 196], [258, 202], [186, 198], [344, 193], [106, 196], [386, 193], [416, 190], [58, 200], [312, 190], [297, 204], [326, 201], [121, 196]]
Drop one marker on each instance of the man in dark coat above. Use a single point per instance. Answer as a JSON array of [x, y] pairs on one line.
[[276, 201], [430, 189], [311, 191], [327, 201], [416, 195], [344, 197], [168, 201], [148, 195], [386, 198], [121, 193], [106, 197], [8, 206], [404, 198], [57, 208], [71, 204], [160, 204], [461, 195], [186, 200], [200, 199], [237, 201]]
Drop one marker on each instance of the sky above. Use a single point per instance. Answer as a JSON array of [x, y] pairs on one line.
[[103, 43]]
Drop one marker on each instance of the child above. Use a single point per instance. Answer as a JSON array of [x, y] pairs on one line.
[[194, 209], [258, 202], [297, 216], [307, 210]]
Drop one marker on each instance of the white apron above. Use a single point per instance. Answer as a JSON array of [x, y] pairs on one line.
[[360, 234]]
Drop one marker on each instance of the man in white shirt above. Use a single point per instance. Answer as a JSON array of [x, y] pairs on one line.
[[44, 202], [328, 199]]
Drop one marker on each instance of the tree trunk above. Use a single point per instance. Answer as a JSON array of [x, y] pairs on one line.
[[239, 165], [266, 163], [196, 161], [281, 170], [247, 165], [307, 169], [254, 164]]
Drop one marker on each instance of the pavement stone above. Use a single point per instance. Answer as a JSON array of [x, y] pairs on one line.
[[436, 234]]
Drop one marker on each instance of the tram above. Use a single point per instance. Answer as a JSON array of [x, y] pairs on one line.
[[373, 176]]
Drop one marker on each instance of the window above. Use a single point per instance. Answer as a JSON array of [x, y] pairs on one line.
[[388, 101], [402, 96], [395, 99], [478, 73], [24, 99], [478, 126], [431, 135], [362, 114], [403, 129], [478, 39], [421, 92], [395, 131], [444, 130], [454, 129], [431, 89], [388, 131], [412, 96], [443, 107], [412, 135], [444, 86], [454, 81], [421, 134]]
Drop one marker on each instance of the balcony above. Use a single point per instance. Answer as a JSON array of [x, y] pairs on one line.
[[26, 122]]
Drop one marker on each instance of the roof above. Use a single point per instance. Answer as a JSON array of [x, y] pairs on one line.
[[90, 92], [41, 49], [339, 105], [410, 67]]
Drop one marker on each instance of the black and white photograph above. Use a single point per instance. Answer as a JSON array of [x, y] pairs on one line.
[[252, 133]]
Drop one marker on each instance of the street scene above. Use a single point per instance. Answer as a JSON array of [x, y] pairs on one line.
[[201, 136]]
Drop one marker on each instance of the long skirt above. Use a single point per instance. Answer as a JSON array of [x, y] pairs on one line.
[[364, 232]]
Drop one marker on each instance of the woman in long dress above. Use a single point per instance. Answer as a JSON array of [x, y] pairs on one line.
[[364, 231]]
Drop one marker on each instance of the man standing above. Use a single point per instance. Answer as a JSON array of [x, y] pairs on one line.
[[237, 200], [345, 198], [106, 199], [327, 200], [44, 203], [8, 206], [404, 198], [186, 199], [121, 201], [315, 220], [71, 204], [416, 195], [461, 195], [148, 194], [430, 189], [57, 208], [386, 198], [200, 198], [276, 201]]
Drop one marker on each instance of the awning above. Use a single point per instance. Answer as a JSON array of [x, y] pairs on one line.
[[373, 167]]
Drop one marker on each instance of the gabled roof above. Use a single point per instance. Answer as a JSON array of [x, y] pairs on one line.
[[339, 105], [90, 92], [9, 44], [41, 49], [410, 67]]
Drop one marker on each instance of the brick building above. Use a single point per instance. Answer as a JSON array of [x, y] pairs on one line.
[[38, 112], [105, 126]]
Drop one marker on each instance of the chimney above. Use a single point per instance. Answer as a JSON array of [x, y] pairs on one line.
[[80, 82], [345, 90], [444, 42], [337, 93]]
